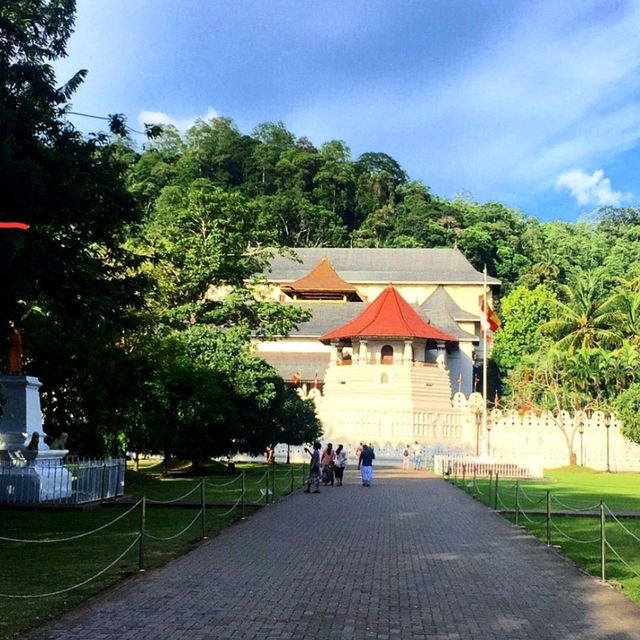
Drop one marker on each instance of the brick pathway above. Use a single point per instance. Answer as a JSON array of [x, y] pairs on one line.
[[409, 558]]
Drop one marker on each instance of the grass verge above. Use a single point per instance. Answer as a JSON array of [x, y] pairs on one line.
[[575, 494], [28, 569]]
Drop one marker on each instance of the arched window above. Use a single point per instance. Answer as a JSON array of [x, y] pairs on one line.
[[384, 379], [386, 354]]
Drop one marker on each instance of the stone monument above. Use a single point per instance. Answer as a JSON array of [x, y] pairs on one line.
[[27, 473]]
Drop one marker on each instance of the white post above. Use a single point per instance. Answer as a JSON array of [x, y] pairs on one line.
[[363, 352], [484, 328], [408, 352]]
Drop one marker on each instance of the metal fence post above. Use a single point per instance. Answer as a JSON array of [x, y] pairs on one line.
[[475, 486], [603, 543], [464, 475], [143, 517], [490, 487], [273, 482], [517, 500], [548, 518], [266, 487], [291, 470], [495, 494], [203, 508], [242, 496], [103, 481]]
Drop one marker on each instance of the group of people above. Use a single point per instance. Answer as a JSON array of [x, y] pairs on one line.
[[328, 467], [412, 455]]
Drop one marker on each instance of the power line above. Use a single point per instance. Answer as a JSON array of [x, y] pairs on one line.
[[88, 115]]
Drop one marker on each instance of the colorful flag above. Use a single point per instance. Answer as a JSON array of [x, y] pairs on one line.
[[489, 320]]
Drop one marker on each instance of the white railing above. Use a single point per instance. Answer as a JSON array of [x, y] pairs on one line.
[[483, 467], [74, 481]]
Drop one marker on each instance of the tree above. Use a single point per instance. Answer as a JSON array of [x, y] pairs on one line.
[[586, 317], [627, 408], [522, 312], [335, 181], [68, 281]]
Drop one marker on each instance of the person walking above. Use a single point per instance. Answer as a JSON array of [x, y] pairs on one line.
[[339, 464], [314, 469], [417, 456], [365, 465], [405, 459], [327, 462]]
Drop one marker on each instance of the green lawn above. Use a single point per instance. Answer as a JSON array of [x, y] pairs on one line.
[[28, 569], [577, 491]]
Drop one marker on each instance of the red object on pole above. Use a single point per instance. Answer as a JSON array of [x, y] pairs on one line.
[[14, 225]]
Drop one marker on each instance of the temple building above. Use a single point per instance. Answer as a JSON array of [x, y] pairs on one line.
[[387, 379], [440, 286]]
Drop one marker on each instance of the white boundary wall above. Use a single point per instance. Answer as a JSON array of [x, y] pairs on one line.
[[549, 439]]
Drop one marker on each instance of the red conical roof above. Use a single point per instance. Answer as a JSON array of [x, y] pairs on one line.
[[388, 316]]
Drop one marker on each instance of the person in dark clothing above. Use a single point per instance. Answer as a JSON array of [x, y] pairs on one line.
[[314, 469], [365, 464]]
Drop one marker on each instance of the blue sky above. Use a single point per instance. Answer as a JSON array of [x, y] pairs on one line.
[[534, 104]]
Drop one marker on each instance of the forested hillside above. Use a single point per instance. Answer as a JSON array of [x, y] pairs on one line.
[[570, 303], [109, 286]]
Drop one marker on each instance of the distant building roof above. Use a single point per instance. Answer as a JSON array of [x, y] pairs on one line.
[[310, 366], [388, 316], [440, 299], [322, 282], [435, 266], [325, 317]]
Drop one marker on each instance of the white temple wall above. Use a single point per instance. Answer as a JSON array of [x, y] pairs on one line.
[[522, 438], [526, 440]]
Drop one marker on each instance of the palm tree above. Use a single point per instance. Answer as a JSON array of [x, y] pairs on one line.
[[587, 318]]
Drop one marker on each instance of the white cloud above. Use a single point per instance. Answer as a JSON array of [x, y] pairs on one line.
[[182, 124], [589, 189], [559, 87]]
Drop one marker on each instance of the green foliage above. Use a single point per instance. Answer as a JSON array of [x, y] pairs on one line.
[[68, 282], [522, 312], [627, 407]]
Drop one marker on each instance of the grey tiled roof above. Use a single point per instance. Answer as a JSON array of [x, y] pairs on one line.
[[331, 315], [440, 299], [441, 266], [442, 319], [309, 365], [326, 316]]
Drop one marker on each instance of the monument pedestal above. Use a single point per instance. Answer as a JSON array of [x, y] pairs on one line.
[[27, 475]]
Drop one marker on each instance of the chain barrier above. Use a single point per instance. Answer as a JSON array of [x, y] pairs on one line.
[[177, 535], [624, 528], [624, 562], [527, 518], [174, 500], [529, 498], [80, 584], [259, 480], [76, 537], [499, 499], [576, 509], [224, 484], [142, 534], [226, 513], [516, 492], [568, 537]]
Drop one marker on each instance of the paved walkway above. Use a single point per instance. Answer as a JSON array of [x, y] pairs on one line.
[[409, 558]]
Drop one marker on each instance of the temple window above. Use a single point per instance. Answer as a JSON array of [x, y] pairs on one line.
[[384, 379], [386, 354]]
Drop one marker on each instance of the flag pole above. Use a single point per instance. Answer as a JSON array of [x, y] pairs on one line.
[[484, 351]]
